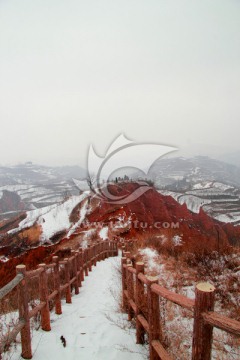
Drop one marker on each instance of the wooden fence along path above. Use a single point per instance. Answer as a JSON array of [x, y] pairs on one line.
[[140, 295], [75, 267]]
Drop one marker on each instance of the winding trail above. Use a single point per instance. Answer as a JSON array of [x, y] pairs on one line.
[[93, 326]]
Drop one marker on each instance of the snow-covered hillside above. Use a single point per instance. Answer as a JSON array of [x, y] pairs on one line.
[[179, 172], [218, 200], [52, 219], [39, 186]]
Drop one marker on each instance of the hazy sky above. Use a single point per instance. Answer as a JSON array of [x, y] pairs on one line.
[[79, 72]]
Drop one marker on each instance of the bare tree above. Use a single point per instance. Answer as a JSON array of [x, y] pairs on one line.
[[91, 181]]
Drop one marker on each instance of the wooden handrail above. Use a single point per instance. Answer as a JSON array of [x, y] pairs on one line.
[[33, 273], [178, 299], [161, 352], [10, 286], [143, 278], [8, 338], [50, 266], [144, 322], [52, 295], [222, 322], [132, 270], [37, 308]]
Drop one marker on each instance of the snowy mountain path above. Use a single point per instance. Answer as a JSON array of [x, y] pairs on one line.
[[93, 326]]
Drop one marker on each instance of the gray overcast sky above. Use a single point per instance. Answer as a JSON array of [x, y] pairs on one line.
[[79, 72]]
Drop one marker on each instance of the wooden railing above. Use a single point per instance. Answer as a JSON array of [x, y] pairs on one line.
[[140, 299], [75, 268]]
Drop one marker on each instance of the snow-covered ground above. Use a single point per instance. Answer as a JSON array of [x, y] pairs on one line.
[[53, 218], [178, 322], [103, 233], [193, 203], [218, 200], [93, 326]]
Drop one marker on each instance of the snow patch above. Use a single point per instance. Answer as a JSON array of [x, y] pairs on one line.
[[150, 256], [193, 203], [103, 233], [177, 240], [4, 258], [83, 212]]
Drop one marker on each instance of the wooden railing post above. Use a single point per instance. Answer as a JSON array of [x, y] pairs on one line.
[[85, 261], [116, 249], [79, 280], [67, 281], [153, 316], [74, 267], [107, 249], [94, 253], [106, 243], [130, 289], [24, 313], [124, 284], [102, 251], [113, 249], [99, 251], [58, 305], [89, 257], [127, 254], [139, 293], [43, 293], [110, 246], [81, 262], [202, 333]]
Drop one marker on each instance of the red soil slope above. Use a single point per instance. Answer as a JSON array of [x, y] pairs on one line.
[[150, 213], [153, 212]]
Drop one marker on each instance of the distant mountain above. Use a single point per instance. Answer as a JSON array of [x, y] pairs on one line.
[[37, 185], [37, 174], [201, 182], [231, 158], [193, 170]]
